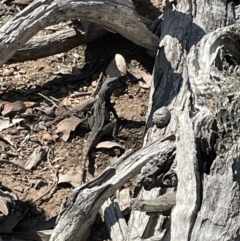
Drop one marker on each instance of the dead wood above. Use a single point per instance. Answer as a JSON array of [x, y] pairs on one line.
[[113, 14], [61, 41], [195, 81], [84, 202], [162, 204], [114, 219], [196, 76]]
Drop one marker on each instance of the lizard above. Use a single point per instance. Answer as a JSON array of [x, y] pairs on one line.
[[98, 122], [78, 110]]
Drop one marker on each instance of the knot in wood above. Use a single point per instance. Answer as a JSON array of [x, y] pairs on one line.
[[161, 117]]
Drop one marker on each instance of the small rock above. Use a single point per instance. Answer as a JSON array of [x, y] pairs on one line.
[[94, 83], [161, 117], [7, 72], [85, 89], [22, 72], [57, 166]]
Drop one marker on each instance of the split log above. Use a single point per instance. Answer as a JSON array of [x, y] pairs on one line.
[[115, 221], [113, 14]]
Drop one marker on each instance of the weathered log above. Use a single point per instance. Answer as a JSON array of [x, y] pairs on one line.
[[80, 207], [113, 14], [198, 83], [61, 41], [115, 221], [196, 76]]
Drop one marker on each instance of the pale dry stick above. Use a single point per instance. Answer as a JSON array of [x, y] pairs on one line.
[[46, 98], [54, 181], [54, 99], [79, 94]]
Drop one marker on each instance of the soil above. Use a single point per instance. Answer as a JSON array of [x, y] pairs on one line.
[[57, 76]]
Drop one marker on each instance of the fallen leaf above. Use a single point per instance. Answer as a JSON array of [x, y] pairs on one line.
[[109, 145], [117, 67], [147, 81], [68, 125], [29, 104], [11, 109]]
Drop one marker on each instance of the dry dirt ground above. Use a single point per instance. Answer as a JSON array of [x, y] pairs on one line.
[[57, 76]]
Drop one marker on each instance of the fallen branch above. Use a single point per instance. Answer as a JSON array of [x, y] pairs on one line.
[[114, 14], [80, 207], [61, 41]]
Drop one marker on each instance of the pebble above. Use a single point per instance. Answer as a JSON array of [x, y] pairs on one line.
[[161, 117]]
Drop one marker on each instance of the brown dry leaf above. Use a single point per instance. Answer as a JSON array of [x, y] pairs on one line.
[[10, 109], [29, 104], [68, 125], [117, 67], [72, 177], [108, 145]]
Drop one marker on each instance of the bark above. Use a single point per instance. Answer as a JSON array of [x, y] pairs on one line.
[[61, 41], [80, 207], [197, 77], [114, 14]]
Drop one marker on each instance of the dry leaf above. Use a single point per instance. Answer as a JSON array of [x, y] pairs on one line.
[[147, 78], [47, 137], [10, 109], [68, 125], [108, 145], [117, 67]]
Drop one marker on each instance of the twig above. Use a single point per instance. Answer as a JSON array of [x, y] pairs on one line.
[[81, 94], [54, 181], [48, 99]]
